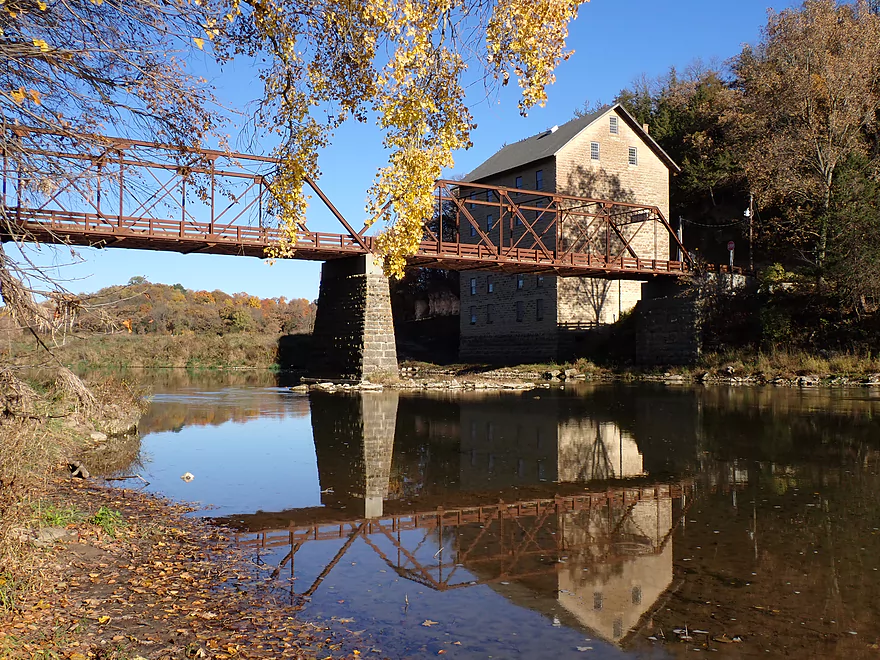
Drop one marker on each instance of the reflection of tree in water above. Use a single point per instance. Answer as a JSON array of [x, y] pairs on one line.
[[176, 411]]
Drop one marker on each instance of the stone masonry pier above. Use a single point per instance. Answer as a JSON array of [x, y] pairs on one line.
[[354, 332]]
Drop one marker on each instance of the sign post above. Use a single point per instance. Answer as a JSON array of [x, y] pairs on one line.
[[730, 247]]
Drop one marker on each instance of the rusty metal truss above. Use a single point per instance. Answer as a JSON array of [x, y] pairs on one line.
[[112, 192], [486, 544]]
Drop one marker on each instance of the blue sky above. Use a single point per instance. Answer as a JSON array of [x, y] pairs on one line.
[[615, 41]]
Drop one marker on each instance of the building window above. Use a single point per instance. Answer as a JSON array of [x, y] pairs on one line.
[[471, 197], [594, 151], [473, 315], [520, 310], [613, 125], [489, 220], [490, 284], [637, 595], [633, 156], [539, 281], [539, 309], [539, 180], [473, 230], [489, 311], [518, 184], [597, 600], [520, 282], [473, 286], [617, 630]]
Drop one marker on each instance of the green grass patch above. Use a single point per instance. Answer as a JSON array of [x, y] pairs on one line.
[[108, 520], [55, 516]]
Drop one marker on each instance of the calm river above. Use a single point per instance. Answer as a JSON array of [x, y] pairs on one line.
[[593, 521]]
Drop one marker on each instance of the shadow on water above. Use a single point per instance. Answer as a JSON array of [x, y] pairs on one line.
[[592, 517]]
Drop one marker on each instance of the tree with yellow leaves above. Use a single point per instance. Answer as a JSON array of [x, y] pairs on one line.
[[407, 63]]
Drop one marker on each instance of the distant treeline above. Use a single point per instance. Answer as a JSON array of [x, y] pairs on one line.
[[141, 307]]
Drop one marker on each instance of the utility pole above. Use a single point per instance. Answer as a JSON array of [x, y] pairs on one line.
[[680, 237], [750, 214]]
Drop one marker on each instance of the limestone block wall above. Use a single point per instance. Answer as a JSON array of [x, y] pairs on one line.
[[510, 321], [582, 301], [354, 332], [668, 331], [612, 177]]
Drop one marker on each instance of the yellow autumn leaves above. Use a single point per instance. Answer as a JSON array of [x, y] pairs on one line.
[[405, 61]]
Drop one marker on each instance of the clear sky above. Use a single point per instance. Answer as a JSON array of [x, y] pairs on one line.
[[615, 41]]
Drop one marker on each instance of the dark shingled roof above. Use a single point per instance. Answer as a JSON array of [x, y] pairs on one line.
[[548, 143]]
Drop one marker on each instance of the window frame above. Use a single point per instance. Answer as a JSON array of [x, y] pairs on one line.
[[473, 314], [490, 284], [520, 282], [633, 156], [473, 286], [539, 179], [595, 151], [520, 311], [614, 125], [518, 183], [489, 311], [539, 309]]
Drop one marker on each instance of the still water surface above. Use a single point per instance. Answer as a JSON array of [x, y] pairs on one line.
[[593, 521]]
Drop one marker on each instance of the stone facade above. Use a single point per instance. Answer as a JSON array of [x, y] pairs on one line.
[[504, 324], [668, 327], [354, 331]]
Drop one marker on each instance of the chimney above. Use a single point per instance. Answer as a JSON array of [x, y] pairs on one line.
[[645, 128]]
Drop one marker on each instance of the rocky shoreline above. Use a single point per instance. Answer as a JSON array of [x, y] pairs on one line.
[[437, 378]]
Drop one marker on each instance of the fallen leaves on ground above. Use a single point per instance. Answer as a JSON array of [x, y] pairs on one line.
[[166, 585]]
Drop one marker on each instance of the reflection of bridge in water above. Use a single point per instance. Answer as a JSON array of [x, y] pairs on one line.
[[603, 555]]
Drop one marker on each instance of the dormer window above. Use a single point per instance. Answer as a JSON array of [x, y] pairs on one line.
[[594, 151], [612, 125], [633, 156]]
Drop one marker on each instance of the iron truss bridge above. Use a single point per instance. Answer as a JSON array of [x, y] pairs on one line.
[[113, 192]]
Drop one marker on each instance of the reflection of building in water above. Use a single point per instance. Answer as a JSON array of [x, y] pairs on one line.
[[524, 441], [616, 569], [380, 446], [593, 450], [598, 560]]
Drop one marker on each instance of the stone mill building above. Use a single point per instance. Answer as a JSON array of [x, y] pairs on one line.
[[605, 155]]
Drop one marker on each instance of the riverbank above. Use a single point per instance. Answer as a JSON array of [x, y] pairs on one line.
[[191, 351], [734, 367], [92, 571], [121, 575]]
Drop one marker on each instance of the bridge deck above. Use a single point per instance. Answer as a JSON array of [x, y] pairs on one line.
[[187, 237]]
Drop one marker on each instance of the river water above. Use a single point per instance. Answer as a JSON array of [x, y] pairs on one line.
[[605, 520]]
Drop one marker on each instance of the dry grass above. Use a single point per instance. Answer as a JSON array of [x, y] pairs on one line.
[[41, 426], [787, 364], [163, 351]]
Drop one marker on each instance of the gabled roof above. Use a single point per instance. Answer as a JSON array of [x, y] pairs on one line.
[[549, 143]]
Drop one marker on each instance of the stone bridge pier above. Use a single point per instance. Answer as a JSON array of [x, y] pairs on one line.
[[354, 443], [353, 337]]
